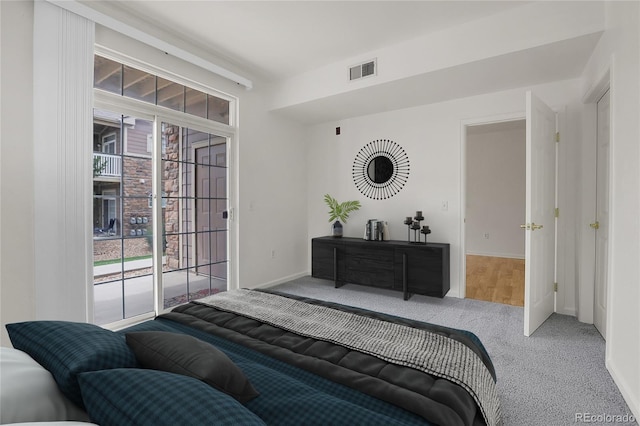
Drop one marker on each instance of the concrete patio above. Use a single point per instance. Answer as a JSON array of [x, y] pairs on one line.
[[109, 305]]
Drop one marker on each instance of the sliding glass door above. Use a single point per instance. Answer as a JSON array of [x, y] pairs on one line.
[[122, 220], [194, 182], [189, 225]]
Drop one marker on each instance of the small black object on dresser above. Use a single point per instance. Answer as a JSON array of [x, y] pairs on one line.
[[396, 265]]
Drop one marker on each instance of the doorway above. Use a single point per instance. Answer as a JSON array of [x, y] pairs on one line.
[[495, 209]]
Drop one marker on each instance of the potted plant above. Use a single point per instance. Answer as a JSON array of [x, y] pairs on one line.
[[339, 212]]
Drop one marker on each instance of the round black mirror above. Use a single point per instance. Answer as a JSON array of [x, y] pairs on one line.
[[380, 169]]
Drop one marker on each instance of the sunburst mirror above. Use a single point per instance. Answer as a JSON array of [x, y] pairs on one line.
[[380, 169]]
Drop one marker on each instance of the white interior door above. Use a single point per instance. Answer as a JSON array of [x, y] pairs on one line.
[[601, 225], [540, 244]]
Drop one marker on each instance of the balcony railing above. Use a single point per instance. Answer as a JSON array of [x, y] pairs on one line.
[[107, 165]]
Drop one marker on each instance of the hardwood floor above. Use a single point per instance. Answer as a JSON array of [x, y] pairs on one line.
[[495, 279]]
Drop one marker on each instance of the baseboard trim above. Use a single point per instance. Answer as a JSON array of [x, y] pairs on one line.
[[283, 280], [570, 312], [505, 255], [632, 400], [453, 293]]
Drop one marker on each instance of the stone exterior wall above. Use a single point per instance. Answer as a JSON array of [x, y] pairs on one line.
[[171, 188], [136, 188]]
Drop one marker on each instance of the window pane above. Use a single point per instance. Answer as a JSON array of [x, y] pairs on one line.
[[219, 152], [170, 94], [136, 182], [184, 285], [196, 103], [139, 85], [137, 226], [138, 295], [199, 141], [108, 302], [107, 75], [123, 264], [106, 139], [218, 109], [200, 285], [134, 83], [170, 141], [107, 255]]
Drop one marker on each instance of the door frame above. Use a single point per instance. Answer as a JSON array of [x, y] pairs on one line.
[[602, 189], [558, 296], [514, 116], [586, 288]]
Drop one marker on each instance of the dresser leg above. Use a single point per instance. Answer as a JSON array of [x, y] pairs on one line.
[[335, 268], [405, 290]]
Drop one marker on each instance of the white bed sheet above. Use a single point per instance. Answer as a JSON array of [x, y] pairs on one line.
[[28, 392]]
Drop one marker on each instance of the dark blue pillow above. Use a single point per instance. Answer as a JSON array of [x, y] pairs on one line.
[[131, 396], [69, 348]]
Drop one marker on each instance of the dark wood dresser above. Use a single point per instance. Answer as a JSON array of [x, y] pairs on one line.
[[397, 265]]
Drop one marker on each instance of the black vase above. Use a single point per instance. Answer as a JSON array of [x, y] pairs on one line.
[[336, 229]]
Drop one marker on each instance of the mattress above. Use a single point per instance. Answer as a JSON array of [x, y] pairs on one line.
[[307, 380]]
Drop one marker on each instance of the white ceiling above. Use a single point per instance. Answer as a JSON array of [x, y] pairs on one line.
[[278, 39], [553, 62], [274, 40]]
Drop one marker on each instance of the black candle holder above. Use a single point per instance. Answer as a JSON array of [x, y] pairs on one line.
[[413, 223], [408, 221], [425, 230]]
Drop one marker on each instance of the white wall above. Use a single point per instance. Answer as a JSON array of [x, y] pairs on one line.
[[273, 200], [619, 52], [495, 187], [431, 136]]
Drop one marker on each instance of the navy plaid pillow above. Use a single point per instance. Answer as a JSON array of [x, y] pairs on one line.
[[131, 396], [69, 348]]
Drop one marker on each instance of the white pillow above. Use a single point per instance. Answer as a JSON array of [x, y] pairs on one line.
[[70, 423], [28, 392]]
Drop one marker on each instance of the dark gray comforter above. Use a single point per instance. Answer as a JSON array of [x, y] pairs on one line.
[[437, 400]]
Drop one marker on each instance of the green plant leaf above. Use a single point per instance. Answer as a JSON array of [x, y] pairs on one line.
[[340, 210]]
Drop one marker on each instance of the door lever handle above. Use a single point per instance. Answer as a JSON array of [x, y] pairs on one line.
[[534, 226], [525, 226], [595, 225]]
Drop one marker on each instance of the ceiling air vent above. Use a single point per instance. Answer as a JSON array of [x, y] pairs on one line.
[[362, 70]]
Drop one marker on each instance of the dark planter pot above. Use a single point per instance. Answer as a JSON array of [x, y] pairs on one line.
[[336, 229]]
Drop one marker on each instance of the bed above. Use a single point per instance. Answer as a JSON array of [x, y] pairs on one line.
[[254, 357]]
